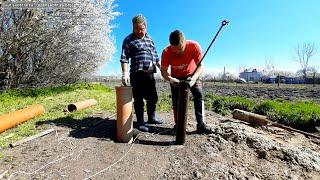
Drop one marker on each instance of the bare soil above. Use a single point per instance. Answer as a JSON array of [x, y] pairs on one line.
[[288, 92], [87, 149]]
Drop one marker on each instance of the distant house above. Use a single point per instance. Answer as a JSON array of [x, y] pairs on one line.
[[253, 75]]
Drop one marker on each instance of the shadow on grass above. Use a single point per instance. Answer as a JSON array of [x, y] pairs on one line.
[[88, 127]]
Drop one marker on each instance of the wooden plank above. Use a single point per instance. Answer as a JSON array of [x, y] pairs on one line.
[[43, 133]]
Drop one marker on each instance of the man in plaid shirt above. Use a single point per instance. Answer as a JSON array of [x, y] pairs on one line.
[[138, 47]]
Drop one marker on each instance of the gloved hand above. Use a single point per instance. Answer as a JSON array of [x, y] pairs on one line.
[[192, 80], [174, 81], [125, 79]]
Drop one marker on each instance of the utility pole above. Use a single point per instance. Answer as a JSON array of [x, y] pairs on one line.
[[314, 79], [224, 74]]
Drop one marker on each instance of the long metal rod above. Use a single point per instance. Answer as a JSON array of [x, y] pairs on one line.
[[224, 23], [183, 99]]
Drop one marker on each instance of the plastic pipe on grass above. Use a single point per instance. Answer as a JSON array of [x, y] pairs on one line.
[[12, 119], [81, 105]]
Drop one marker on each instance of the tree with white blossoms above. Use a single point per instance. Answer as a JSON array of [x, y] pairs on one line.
[[55, 46]]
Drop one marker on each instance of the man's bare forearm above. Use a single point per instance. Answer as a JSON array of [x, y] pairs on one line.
[[199, 71], [165, 74], [124, 67]]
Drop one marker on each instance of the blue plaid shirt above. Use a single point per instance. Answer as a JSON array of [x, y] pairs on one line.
[[141, 52]]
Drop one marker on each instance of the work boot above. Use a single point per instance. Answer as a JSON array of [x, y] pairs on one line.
[[140, 122], [152, 119], [142, 127], [203, 128]]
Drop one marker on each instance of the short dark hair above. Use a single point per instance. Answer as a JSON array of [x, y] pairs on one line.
[[139, 19], [176, 38]]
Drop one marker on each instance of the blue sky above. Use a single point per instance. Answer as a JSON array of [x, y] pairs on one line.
[[257, 29]]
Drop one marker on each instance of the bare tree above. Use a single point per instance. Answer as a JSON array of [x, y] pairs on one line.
[[54, 46], [269, 67], [208, 77], [284, 73], [241, 68], [303, 54]]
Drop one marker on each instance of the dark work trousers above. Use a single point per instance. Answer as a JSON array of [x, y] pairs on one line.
[[196, 91], [144, 87]]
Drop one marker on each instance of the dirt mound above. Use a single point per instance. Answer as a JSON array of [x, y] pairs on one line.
[[86, 149]]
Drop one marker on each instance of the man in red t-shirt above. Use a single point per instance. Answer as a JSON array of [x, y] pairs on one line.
[[183, 56]]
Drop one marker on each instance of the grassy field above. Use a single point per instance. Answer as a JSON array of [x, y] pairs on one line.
[[54, 99]]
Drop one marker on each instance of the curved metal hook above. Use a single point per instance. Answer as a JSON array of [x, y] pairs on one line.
[[225, 22]]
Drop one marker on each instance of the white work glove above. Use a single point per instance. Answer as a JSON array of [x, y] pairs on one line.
[[174, 81], [192, 80], [125, 79]]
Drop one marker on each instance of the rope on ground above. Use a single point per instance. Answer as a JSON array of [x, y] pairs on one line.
[[50, 163], [31, 173], [114, 162], [124, 154]]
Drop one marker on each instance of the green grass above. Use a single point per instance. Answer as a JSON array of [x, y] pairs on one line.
[[303, 115], [54, 99], [224, 105], [164, 102]]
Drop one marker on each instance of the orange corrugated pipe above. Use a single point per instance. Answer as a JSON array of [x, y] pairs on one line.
[[81, 105], [12, 119], [124, 114]]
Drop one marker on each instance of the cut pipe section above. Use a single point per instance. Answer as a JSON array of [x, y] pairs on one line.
[[12, 119], [124, 114], [81, 105]]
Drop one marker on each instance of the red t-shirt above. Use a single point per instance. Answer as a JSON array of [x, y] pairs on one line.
[[185, 64]]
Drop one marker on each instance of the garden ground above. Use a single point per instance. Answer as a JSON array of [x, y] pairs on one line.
[[87, 149]]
